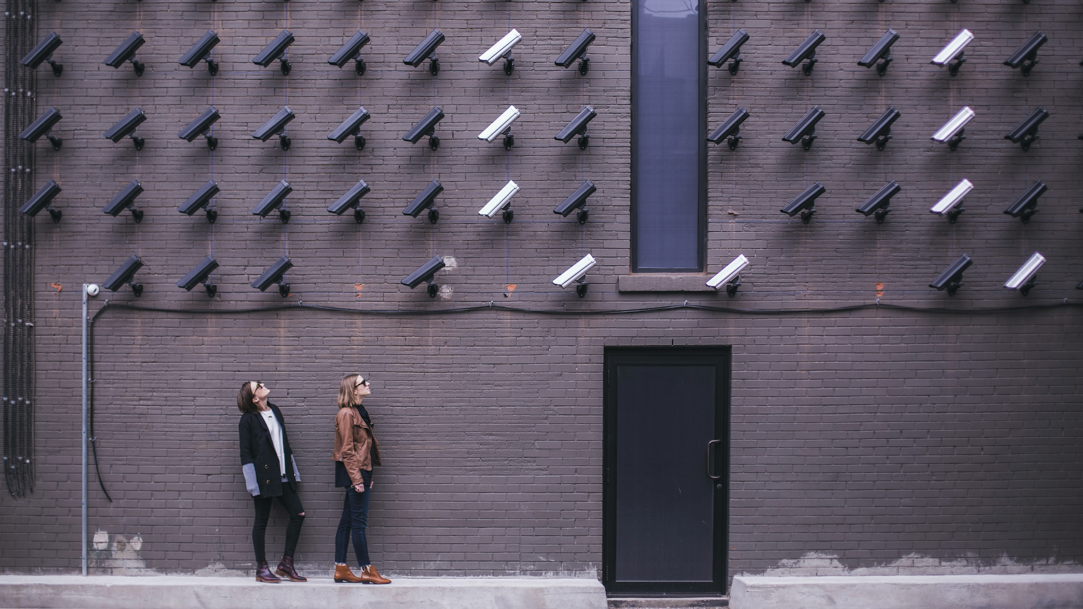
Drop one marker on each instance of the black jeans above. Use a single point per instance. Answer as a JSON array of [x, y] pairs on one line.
[[355, 515], [292, 503]]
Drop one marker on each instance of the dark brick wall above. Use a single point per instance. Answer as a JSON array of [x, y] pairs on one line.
[[871, 435]]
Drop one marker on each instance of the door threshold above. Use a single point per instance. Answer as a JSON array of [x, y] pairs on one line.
[[667, 602]]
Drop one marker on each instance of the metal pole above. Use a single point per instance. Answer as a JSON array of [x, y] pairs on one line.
[[85, 391]]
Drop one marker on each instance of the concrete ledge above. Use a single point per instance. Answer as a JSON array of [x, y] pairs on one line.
[[169, 592], [664, 282], [1056, 591]]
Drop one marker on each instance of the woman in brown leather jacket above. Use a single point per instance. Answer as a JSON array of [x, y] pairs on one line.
[[356, 451]]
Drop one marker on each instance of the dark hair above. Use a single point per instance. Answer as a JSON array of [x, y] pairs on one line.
[[246, 398]]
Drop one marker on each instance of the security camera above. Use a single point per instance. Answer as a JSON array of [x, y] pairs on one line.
[[275, 274], [805, 203], [42, 199], [273, 200], [200, 199], [878, 203], [806, 51], [426, 126], [575, 51], [199, 127], [577, 201], [43, 51], [92, 289], [952, 54], [880, 131], [880, 53], [274, 125], [41, 126], [730, 128], [949, 204], [351, 126], [125, 199], [1027, 55], [1027, 275], [126, 51], [952, 278], [126, 275], [577, 273], [730, 276], [1027, 131], [502, 124], [274, 50], [351, 50], [501, 201], [1027, 205], [425, 200], [201, 273], [199, 52], [425, 50], [730, 51], [952, 131], [425, 272], [352, 198], [126, 126], [805, 129], [578, 126], [501, 49]]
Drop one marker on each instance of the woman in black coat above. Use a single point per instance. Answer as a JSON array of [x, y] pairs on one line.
[[269, 472]]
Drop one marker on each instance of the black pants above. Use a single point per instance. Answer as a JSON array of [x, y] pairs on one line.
[[292, 503]]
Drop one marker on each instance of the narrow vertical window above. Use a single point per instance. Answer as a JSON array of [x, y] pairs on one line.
[[669, 107]]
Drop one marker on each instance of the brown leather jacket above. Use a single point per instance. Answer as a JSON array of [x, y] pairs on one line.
[[355, 443]]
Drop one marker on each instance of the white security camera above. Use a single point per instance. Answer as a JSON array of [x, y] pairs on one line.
[[502, 124], [576, 273], [952, 131], [952, 54], [92, 289], [730, 275], [947, 204], [501, 49], [1027, 275], [500, 201]]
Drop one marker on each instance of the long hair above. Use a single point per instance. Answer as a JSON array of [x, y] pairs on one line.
[[345, 390], [246, 398]]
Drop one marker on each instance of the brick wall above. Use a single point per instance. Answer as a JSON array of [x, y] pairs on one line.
[[943, 432]]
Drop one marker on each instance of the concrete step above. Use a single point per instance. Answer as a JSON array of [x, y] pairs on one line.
[[176, 592], [1027, 591]]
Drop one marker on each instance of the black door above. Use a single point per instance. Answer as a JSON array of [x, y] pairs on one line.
[[666, 462]]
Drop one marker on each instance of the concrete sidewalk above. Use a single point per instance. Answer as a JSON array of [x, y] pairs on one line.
[[170, 592]]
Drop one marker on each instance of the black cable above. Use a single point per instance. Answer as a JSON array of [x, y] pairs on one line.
[[90, 406]]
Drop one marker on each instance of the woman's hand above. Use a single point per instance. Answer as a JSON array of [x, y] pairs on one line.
[[359, 488]]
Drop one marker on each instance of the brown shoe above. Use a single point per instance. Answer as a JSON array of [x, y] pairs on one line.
[[263, 574], [285, 569], [343, 574], [370, 576]]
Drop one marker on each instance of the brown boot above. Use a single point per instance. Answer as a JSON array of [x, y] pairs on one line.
[[285, 569], [343, 574], [370, 576], [263, 574]]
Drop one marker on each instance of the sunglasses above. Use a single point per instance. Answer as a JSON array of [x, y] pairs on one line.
[[361, 381], [260, 385]]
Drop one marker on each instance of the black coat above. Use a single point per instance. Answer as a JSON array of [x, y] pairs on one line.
[[258, 449]]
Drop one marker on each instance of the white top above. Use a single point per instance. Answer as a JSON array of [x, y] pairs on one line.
[[276, 437]]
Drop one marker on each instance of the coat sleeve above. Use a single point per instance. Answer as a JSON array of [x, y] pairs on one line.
[[248, 465], [350, 456]]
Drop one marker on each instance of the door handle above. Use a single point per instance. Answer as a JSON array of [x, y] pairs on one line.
[[709, 460]]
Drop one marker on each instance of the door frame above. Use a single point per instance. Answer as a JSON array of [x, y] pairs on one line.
[[666, 356]]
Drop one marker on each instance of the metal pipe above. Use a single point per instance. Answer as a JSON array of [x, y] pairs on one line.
[[85, 390]]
